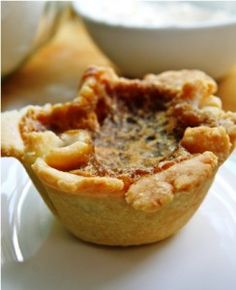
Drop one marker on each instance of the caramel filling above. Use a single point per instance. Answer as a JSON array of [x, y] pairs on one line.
[[130, 142], [127, 141]]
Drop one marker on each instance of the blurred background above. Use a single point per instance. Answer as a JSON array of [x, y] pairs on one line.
[[46, 45]]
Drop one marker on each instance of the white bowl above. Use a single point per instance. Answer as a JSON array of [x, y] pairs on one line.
[[210, 47], [20, 22]]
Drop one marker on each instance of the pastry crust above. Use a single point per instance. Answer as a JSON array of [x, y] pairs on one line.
[[11, 141], [153, 192], [127, 162]]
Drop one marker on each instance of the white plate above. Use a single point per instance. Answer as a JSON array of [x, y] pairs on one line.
[[37, 253]]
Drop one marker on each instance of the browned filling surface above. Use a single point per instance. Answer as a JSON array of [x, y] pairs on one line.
[[131, 142], [128, 141]]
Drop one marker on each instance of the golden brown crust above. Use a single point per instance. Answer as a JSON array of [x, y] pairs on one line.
[[153, 192], [185, 84], [75, 151], [106, 165], [202, 138], [11, 141], [74, 184]]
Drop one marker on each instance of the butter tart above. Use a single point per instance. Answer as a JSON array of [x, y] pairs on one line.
[[127, 162]]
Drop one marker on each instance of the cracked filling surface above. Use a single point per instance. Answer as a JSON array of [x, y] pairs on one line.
[[130, 142]]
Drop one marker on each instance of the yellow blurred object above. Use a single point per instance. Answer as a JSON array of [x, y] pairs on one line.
[[53, 73], [227, 90]]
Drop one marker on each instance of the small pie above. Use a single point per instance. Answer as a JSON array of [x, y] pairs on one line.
[[127, 162]]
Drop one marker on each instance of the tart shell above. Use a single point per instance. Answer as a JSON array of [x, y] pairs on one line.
[[107, 209]]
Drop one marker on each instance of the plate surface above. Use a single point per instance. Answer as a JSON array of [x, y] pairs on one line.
[[37, 253]]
